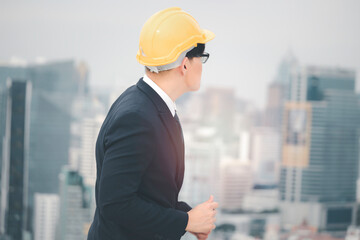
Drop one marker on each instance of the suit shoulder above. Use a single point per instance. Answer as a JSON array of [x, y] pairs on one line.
[[132, 106], [132, 100]]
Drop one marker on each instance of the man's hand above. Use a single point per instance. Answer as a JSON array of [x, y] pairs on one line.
[[202, 217], [201, 236]]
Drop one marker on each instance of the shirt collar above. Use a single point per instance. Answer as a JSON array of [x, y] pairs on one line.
[[169, 102]]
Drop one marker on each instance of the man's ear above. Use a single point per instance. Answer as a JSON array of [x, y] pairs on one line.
[[185, 65]]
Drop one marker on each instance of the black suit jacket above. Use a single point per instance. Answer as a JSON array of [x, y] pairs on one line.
[[140, 170]]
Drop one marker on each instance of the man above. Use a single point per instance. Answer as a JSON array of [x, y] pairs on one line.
[[140, 147]]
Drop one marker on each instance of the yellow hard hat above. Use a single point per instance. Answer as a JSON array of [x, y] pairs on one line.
[[167, 34]]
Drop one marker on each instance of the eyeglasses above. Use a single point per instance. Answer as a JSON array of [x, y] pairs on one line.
[[204, 57]]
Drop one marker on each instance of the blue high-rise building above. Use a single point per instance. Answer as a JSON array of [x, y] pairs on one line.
[[55, 85], [75, 202], [320, 149], [14, 174]]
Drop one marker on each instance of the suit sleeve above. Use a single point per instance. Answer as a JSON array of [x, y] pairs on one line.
[[128, 153], [183, 206]]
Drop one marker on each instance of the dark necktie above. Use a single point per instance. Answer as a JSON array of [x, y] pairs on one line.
[[179, 125]]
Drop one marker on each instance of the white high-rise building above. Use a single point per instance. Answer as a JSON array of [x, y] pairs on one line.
[[89, 131], [244, 150], [75, 202], [358, 190], [236, 179], [265, 155], [203, 151], [46, 214]]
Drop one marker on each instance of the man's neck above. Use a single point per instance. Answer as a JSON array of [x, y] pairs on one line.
[[169, 83]]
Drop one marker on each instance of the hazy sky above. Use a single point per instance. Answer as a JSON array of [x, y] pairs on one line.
[[251, 36]]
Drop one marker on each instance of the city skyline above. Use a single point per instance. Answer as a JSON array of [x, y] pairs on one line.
[[219, 111], [272, 134], [249, 37]]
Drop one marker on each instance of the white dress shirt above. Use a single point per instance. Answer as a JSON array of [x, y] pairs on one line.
[[169, 102]]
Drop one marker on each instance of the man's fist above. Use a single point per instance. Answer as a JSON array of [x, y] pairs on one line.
[[202, 217]]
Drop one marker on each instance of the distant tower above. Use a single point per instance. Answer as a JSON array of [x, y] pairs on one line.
[[202, 156], [75, 202], [265, 155], [89, 131], [14, 175], [46, 213], [219, 110], [279, 90], [236, 181], [274, 107], [320, 149], [55, 86]]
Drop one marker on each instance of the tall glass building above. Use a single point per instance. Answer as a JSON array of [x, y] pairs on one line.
[[14, 163], [54, 88], [75, 202], [320, 149]]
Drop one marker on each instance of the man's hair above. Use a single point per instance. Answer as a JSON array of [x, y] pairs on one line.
[[196, 51]]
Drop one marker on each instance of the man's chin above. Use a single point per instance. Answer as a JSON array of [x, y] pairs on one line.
[[197, 88]]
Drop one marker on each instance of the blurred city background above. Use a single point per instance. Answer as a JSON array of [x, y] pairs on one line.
[[273, 133]]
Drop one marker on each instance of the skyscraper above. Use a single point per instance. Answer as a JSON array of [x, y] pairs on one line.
[[236, 179], [274, 106], [46, 211], [89, 131], [320, 149], [75, 200], [14, 173], [265, 155], [219, 111], [279, 90], [54, 87], [202, 156]]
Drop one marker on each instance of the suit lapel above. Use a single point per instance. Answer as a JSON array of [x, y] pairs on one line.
[[176, 138], [171, 127]]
